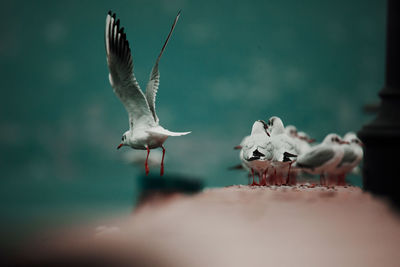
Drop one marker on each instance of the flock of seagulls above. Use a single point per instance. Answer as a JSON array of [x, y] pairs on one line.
[[277, 154], [144, 132]]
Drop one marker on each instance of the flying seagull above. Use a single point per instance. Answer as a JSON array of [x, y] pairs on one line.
[[144, 132]]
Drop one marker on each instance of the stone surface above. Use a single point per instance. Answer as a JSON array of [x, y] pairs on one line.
[[240, 226]]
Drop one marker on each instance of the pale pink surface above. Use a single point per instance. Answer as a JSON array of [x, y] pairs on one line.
[[243, 226]]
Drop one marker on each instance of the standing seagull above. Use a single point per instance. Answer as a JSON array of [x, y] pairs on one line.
[[353, 154], [303, 141], [144, 132], [257, 151], [323, 158], [285, 150]]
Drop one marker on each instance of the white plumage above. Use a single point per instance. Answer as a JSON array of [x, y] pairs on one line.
[[323, 158], [285, 150], [144, 129], [256, 150], [353, 154], [278, 154]]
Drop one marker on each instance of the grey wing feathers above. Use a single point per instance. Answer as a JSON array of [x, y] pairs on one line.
[[151, 90], [315, 158], [154, 82], [122, 79], [348, 157]]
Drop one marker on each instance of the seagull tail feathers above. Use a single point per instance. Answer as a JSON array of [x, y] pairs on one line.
[[166, 132]]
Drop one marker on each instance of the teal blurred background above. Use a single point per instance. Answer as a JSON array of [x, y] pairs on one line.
[[229, 63]]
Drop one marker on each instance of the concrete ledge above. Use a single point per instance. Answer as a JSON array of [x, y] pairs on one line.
[[239, 226]]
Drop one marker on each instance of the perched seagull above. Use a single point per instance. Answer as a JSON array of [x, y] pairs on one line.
[[257, 150], [305, 137], [242, 144], [241, 165], [284, 150], [144, 132], [322, 159], [303, 141], [279, 135], [353, 154], [291, 130]]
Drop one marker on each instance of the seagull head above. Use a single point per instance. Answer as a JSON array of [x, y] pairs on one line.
[[350, 135], [291, 130], [357, 142], [123, 140], [275, 126], [353, 139], [259, 126], [334, 139], [305, 137]]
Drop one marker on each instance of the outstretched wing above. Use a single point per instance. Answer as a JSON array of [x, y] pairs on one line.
[[122, 79], [154, 82]]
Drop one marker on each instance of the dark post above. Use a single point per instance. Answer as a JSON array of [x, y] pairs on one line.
[[381, 172]]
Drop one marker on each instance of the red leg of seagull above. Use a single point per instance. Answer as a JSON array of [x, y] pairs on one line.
[[259, 178], [162, 161], [146, 166], [252, 173], [264, 178], [322, 179], [280, 178], [288, 174], [341, 179], [293, 178], [332, 180]]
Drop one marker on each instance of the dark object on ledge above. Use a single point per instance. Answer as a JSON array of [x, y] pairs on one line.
[[382, 135], [154, 186]]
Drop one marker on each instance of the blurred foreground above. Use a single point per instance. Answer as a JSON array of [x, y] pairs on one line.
[[236, 226]]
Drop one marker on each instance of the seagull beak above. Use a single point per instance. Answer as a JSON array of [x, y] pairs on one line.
[[120, 145], [311, 141], [344, 142], [361, 144], [238, 147]]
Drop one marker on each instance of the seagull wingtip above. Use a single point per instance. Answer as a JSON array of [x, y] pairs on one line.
[[111, 14], [186, 133], [179, 14]]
